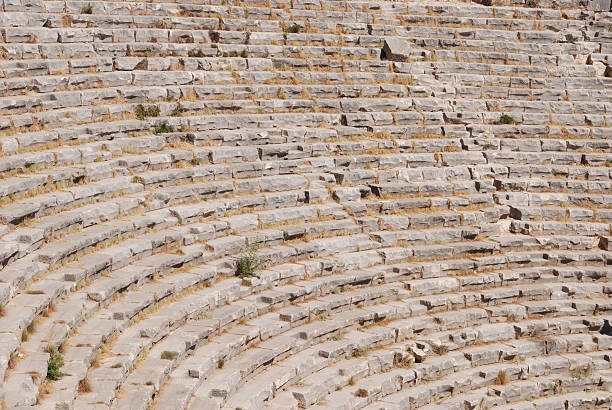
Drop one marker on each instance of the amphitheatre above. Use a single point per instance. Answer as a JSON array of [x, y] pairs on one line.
[[305, 204]]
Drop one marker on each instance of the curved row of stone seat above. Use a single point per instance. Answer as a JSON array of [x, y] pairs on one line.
[[219, 155], [480, 62], [399, 13], [103, 290], [183, 378], [341, 382], [371, 97], [16, 276], [215, 189], [479, 16], [92, 237], [99, 72], [389, 167], [232, 43], [481, 376], [566, 382], [267, 20], [50, 151], [136, 188], [126, 336], [562, 112], [511, 76], [338, 348], [553, 213], [546, 31], [547, 9]]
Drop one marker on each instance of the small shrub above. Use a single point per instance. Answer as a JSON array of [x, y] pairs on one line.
[[531, 3], [505, 119], [53, 365], [294, 28], [143, 112], [582, 371], [25, 334], [352, 381], [361, 393], [502, 378], [558, 389], [84, 386], [116, 366], [439, 349], [214, 36], [404, 361], [163, 127], [195, 53], [220, 363], [166, 355], [248, 262], [177, 110], [360, 351], [244, 53], [87, 9]]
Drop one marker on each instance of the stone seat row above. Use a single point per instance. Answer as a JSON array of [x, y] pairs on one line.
[[79, 50], [272, 33], [108, 187], [98, 183], [328, 10], [512, 392], [198, 70], [119, 282], [587, 399], [320, 385], [540, 185], [466, 129], [270, 21], [44, 70], [323, 10], [374, 336], [422, 395], [348, 155], [558, 213], [383, 121], [382, 394], [553, 199], [23, 270], [270, 184], [298, 97], [321, 24], [85, 89]]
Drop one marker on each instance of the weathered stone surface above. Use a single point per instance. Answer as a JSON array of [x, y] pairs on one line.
[[296, 204]]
